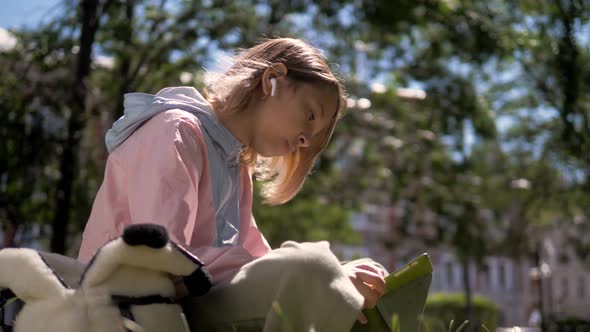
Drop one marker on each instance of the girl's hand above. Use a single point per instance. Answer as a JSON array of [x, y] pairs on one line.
[[368, 278]]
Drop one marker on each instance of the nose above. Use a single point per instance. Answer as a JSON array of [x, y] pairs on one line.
[[303, 141]]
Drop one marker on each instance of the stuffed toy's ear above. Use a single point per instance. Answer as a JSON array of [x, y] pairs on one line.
[[27, 274], [147, 246]]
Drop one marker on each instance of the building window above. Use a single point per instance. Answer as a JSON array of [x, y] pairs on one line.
[[564, 288], [484, 278], [501, 275], [582, 287], [509, 273], [450, 274]]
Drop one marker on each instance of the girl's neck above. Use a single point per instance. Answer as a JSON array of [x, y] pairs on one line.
[[239, 123]]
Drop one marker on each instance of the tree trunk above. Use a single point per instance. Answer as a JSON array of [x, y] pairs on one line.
[[76, 121], [576, 131], [468, 295], [124, 71]]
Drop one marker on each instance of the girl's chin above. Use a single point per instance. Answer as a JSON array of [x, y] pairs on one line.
[[268, 153]]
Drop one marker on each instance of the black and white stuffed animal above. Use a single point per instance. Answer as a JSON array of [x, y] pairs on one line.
[[127, 286]]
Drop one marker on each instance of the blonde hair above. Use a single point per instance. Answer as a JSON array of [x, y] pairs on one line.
[[235, 89]]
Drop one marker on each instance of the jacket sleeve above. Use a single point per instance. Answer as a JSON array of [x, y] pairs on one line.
[[164, 161], [151, 178]]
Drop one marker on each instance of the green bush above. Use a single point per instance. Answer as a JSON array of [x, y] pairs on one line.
[[442, 308], [570, 325]]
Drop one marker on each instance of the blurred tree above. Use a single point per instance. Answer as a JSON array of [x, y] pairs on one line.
[[20, 135], [552, 33], [89, 15], [309, 217], [32, 96]]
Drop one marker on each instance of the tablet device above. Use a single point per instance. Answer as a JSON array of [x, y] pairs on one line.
[[400, 309]]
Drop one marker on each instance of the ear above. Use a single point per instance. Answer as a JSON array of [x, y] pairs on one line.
[[276, 70], [29, 276]]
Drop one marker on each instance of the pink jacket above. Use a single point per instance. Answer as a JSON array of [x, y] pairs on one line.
[[161, 175]]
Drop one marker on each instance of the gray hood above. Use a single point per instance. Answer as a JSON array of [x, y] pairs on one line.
[[140, 107]]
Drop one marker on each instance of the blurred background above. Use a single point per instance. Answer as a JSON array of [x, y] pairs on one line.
[[467, 133]]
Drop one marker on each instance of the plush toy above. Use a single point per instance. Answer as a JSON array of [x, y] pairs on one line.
[[127, 286]]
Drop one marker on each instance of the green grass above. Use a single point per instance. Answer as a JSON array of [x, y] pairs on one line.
[[435, 325], [9, 302], [428, 324]]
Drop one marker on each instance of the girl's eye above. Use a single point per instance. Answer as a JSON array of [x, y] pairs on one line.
[[310, 116]]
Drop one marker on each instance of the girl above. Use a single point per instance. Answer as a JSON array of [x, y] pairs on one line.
[[183, 160]]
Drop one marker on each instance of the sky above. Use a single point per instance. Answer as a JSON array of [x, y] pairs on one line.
[[15, 14]]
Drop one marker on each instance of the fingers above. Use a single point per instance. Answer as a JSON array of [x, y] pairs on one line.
[[374, 280], [373, 267], [362, 318], [369, 283], [371, 296]]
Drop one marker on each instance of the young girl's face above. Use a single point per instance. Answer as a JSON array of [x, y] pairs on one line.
[[293, 117]]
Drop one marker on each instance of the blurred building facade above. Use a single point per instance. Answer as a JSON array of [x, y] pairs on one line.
[[26, 236], [512, 283]]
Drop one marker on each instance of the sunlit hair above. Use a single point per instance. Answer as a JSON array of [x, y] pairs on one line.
[[235, 89]]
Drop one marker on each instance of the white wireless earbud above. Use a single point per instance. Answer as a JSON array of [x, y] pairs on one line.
[[273, 84]]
